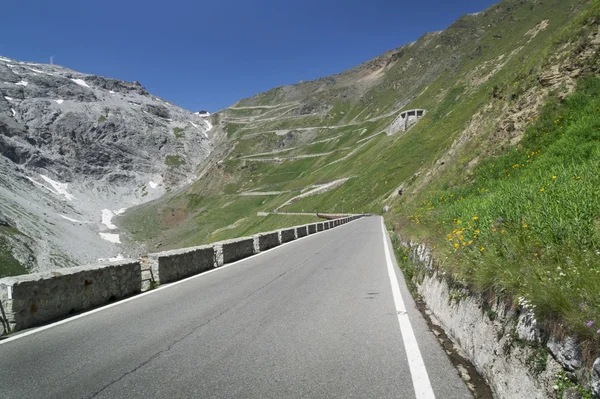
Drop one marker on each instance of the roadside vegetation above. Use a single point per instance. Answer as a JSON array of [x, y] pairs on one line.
[[9, 266], [528, 224]]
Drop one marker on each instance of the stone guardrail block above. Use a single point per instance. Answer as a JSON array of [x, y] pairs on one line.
[[237, 249], [33, 299], [178, 264], [312, 228], [320, 227], [301, 231], [267, 240], [288, 235]]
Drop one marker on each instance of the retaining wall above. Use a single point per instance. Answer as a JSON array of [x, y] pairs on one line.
[[504, 342], [33, 299]]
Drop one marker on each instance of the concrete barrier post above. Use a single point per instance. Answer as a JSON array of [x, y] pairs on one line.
[[312, 228], [320, 227]]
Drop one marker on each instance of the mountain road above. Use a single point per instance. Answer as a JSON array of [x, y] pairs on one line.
[[328, 315]]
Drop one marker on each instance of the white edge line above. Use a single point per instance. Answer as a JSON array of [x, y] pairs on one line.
[[160, 288], [418, 372]]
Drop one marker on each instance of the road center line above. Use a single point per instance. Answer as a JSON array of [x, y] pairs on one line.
[[418, 372]]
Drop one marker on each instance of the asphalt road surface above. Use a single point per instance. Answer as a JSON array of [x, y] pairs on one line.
[[326, 316]]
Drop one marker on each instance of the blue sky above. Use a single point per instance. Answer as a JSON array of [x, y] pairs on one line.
[[207, 55]]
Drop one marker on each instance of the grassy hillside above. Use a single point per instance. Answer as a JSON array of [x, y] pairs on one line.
[[286, 141]]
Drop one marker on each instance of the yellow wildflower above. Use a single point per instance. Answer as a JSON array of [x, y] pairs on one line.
[[554, 177], [456, 245], [481, 249], [475, 218]]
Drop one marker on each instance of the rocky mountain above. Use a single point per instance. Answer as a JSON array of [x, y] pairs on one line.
[[78, 149]]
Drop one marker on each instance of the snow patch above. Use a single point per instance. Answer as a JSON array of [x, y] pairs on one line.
[[60, 188], [114, 238], [36, 70], [11, 67], [111, 92], [13, 112], [81, 82], [193, 124], [9, 98], [115, 259], [71, 219], [107, 216], [153, 185], [205, 114], [59, 101], [22, 83], [39, 184], [120, 211]]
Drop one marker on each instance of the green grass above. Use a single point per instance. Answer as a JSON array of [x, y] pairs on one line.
[[178, 132], [258, 224], [528, 222], [174, 161], [9, 266]]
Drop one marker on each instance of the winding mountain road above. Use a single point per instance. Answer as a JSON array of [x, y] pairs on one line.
[[328, 315]]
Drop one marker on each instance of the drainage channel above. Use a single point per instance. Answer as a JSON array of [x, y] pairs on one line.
[[474, 381]]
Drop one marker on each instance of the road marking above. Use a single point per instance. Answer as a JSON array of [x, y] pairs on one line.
[[418, 372], [160, 288]]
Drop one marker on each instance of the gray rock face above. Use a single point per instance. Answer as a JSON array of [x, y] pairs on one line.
[[566, 352], [77, 149], [527, 327], [595, 383]]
